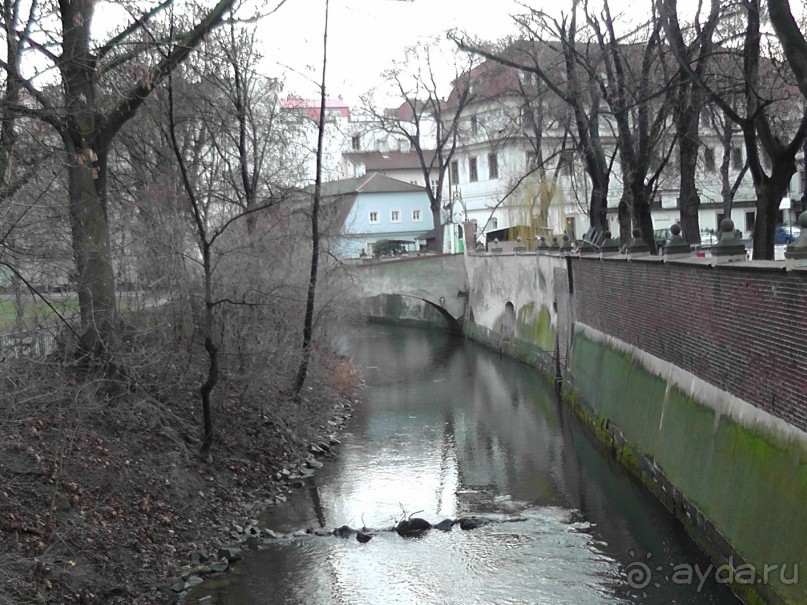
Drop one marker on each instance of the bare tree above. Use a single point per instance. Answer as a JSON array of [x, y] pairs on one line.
[[727, 131], [311, 294], [636, 87], [428, 120], [772, 124], [551, 53], [689, 104], [792, 40], [87, 115]]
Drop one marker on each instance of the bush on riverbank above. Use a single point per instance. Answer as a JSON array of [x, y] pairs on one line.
[[102, 494]]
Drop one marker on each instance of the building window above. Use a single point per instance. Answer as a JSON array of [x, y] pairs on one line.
[[736, 158], [527, 117], [473, 175], [474, 126], [709, 158], [374, 218], [750, 220], [567, 162], [493, 166], [356, 141], [435, 182], [416, 216], [493, 224], [571, 227], [455, 172], [532, 160], [395, 216]]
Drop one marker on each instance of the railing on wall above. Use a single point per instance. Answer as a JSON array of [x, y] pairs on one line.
[[27, 344]]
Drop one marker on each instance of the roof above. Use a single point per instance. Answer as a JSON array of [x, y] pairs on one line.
[[298, 103], [390, 160], [311, 107], [407, 110], [369, 183]]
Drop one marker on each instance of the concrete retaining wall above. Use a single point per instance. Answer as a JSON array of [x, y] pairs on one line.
[[685, 372]]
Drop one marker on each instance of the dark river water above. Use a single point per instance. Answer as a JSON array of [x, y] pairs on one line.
[[449, 429]]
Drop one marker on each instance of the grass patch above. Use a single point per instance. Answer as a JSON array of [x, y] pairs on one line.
[[35, 312]]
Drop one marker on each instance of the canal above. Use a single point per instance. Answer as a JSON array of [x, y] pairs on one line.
[[449, 429]]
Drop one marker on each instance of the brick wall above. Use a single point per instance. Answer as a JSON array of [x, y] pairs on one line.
[[742, 329]]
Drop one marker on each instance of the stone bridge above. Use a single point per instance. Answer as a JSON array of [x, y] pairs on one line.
[[439, 280]]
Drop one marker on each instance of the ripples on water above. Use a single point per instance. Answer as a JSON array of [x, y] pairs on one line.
[[544, 559], [448, 429]]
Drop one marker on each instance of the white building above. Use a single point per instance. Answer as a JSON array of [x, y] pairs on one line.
[[494, 184], [302, 118]]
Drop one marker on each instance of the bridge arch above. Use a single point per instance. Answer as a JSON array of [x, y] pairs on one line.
[[440, 281]]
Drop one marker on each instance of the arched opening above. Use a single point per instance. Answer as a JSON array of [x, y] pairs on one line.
[[509, 319]]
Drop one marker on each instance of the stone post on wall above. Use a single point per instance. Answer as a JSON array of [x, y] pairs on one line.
[[609, 246], [730, 247], [636, 247], [796, 253], [677, 246]]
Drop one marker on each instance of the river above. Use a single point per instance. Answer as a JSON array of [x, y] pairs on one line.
[[449, 429]]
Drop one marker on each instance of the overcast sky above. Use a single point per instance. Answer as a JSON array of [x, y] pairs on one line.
[[366, 36]]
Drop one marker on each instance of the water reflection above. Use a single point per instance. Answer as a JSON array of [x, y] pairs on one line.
[[450, 429]]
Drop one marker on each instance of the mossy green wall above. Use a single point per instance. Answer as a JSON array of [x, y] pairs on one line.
[[534, 325], [514, 348], [749, 484]]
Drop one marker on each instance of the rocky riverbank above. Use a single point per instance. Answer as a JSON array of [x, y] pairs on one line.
[[248, 533], [104, 499]]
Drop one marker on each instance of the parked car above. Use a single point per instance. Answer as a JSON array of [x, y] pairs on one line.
[[709, 237], [785, 234], [661, 236]]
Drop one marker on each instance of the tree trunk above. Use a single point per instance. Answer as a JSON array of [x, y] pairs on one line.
[[624, 219], [688, 194], [726, 191], [311, 297], [95, 279], [643, 217], [769, 195], [86, 169], [437, 217], [598, 205], [207, 388], [19, 302]]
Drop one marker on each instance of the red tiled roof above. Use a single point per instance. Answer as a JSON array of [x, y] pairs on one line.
[[406, 112], [311, 106]]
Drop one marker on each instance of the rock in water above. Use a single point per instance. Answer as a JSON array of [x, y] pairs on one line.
[[473, 522], [363, 538], [412, 527], [344, 531], [230, 553], [445, 525]]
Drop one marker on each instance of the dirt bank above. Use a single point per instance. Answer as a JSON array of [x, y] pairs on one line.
[[103, 497]]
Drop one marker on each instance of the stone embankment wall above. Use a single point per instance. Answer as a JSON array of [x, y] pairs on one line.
[[695, 376]]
